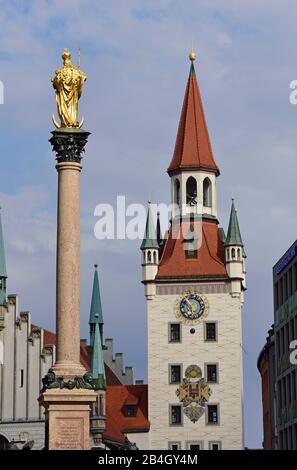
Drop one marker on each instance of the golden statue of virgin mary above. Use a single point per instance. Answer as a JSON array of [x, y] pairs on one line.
[[68, 83]]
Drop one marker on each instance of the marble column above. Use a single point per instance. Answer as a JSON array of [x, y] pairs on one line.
[[68, 391]]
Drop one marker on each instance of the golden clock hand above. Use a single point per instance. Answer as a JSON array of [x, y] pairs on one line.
[[190, 305]]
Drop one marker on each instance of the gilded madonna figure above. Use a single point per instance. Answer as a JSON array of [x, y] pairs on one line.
[[68, 83]]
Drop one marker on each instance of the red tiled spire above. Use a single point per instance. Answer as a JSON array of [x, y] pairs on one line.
[[192, 147]]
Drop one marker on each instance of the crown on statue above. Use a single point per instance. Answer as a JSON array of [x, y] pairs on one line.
[[66, 54]]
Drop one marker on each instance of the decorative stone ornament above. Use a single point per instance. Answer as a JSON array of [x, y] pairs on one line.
[[193, 393], [69, 144], [51, 381]]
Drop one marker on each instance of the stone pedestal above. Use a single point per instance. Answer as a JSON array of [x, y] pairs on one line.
[[67, 418]]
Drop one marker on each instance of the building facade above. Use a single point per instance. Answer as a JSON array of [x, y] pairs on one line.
[[266, 367], [285, 331], [194, 285]]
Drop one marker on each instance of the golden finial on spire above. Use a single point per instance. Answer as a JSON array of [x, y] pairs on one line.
[[192, 55]]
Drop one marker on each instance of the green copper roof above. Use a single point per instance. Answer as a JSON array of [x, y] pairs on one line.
[[2, 253], [98, 371], [96, 301], [233, 235], [150, 237]]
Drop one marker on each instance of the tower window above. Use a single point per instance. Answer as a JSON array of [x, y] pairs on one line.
[[175, 374], [212, 373], [191, 189], [207, 196], [174, 333], [149, 257], [194, 446], [216, 445], [233, 253], [175, 415], [212, 414], [174, 445], [155, 257], [21, 378], [130, 411], [191, 254], [177, 192], [210, 331], [238, 254]]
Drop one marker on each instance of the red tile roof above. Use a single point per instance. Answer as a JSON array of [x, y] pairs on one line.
[[193, 147], [210, 261], [117, 423]]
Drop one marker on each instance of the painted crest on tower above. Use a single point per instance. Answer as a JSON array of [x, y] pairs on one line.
[[193, 393]]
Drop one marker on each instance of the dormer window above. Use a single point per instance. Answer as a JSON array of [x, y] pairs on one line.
[[190, 243], [191, 254], [130, 411]]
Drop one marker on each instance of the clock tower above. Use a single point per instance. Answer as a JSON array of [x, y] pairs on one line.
[[194, 285]]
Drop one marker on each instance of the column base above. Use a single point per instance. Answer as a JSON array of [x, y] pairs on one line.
[[68, 369], [67, 418]]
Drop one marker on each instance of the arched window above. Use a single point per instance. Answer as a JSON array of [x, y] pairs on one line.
[[149, 257], [207, 196], [177, 192], [3, 443], [238, 253], [191, 189], [228, 254], [233, 253], [155, 257], [144, 257]]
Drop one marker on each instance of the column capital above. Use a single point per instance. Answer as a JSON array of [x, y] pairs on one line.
[[69, 144]]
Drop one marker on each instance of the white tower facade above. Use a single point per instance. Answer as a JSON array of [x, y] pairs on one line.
[[194, 289]]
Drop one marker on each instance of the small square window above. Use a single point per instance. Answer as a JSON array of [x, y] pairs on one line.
[[210, 331], [191, 254], [212, 373], [174, 333], [175, 374], [194, 445], [130, 411], [212, 414], [175, 415], [215, 445], [174, 445]]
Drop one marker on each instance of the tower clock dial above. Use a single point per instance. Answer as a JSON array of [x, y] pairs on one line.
[[191, 307]]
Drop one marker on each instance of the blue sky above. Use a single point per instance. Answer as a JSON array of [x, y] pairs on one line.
[[135, 55]]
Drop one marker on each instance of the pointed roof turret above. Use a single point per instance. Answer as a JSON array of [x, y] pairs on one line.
[[97, 369], [150, 237], [96, 315], [159, 231], [192, 147], [233, 235]]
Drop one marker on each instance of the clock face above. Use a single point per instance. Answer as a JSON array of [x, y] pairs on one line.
[[191, 307]]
